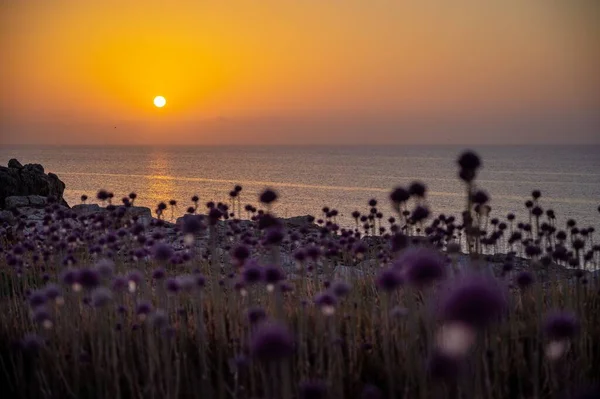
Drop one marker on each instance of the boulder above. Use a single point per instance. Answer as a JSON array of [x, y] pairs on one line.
[[18, 180], [14, 201]]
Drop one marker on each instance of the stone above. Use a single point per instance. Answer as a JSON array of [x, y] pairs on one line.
[[87, 209], [13, 202], [7, 217], [37, 200], [30, 179], [13, 163]]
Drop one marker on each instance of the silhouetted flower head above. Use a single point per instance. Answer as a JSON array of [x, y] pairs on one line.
[[274, 236], [389, 279], [326, 301], [398, 242], [273, 274], [480, 197], [88, 278], [419, 214], [525, 279], [105, 267], [271, 341], [256, 314], [162, 252], [172, 285], [240, 252], [268, 196], [101, 296], [158, 273], [473, 300], [192, 224], [252, 273], [417, 189], [422, 266], [340, 288], [313, 389], [561, 325]]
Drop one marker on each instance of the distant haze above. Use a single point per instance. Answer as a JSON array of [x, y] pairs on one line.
[[300, 72]]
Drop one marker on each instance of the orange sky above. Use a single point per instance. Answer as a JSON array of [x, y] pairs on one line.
[[299, 72]]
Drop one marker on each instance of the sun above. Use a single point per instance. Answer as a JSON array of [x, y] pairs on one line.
[[159, 101]]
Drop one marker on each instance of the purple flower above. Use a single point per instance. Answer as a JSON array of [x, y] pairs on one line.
[[273, 274], [159, 273], [274, 235], [561, 325], [389, 279], [143, 309], [271, 342], [172, 285], [105, 267], [256, 314], [101, 296], [422, 266], [192, 224], [340, 288], [268, 196], [37, 298], [241, 253], [88, 278], [417, 189], [473, 300], [162, 252], [252, 273], [525, 279], [119, 283], [326, 301], [313, 390]]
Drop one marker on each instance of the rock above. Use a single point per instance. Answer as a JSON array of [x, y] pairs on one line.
[[87, 209], [14, 201], [13, 163], [347, 273], [7, 217], [19, 180], [37, 200], [296, 221]]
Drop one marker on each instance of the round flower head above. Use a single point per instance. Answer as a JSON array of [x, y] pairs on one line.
[[143, 309], [241, 253], [388, 279], [256, 314], [88, 278], [105, 267], [340, 288], [561, 326], [313, 390], [273, 274], [326, 302], [421, 266], [524, 279], [268, 196], [172, 285], [473, 300], [162, 252], [192, 224], [252, 273], [468, 160], [417, 189], [271, 341], [37, 298], [42, 317], [101, 296]]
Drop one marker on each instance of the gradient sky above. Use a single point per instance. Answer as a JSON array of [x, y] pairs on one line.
[[299, 72]]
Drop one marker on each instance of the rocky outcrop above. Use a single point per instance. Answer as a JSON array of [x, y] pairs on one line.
[[29, 180]]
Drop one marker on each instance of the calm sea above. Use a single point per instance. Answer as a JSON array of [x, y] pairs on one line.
[[345, 178]]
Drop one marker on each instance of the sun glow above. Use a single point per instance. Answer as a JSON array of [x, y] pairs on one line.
[[160, 101]]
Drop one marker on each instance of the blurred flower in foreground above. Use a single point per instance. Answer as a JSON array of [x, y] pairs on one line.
[[471, 303], [271, 341], [559, 327]]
